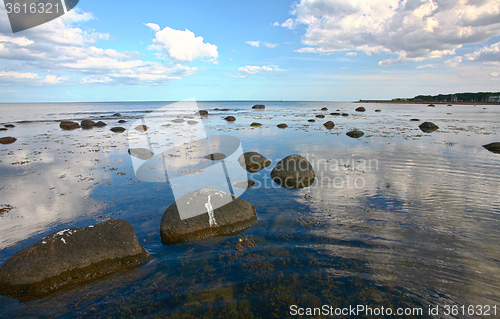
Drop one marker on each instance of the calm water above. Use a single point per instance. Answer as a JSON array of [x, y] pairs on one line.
[[396, 219]]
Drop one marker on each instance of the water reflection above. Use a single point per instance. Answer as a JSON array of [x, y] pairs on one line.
[[397, 217]]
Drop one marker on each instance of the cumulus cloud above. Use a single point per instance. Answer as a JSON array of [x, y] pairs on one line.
[[254, 43], [414, 30], [11, 77], [246, 71], [488, 53], [61, 51], [183, 46]]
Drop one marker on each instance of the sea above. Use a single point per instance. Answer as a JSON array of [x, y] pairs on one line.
[[398, 222]]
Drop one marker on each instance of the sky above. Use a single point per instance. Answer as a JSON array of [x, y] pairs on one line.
[[312, 50]]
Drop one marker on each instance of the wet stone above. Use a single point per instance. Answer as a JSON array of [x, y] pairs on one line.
[[69, 125], [253, 161], [141, 128], [428, 127], [215, 156], [293, 171], [355, 133], [230, 118], [259, 106], [141, 153], [360, 109], [329, 125], [205, 213], [118, 129], [7, 140], [256, 124], [493, 147], [70, 257], [87, 124], [282, 125]]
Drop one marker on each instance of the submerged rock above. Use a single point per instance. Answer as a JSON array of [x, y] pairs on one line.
[[9, 125], [214, 212], [215, 156], [329, 125], [293, 171], [118, 129], [192, 122], [117, 114], [3, 129], [345, 114], [230, 118], [415, 120], [335, 114], [311, 120], [141, 153], [360, 109], [255, 124], [179, 120], [87, 124], [100, 124], [7, 140], [122, 121], [259, 106], [69, 125], [202, 112], [428, 127], [493, 147], [253, 161], [320, 116], [72, 256], [355, 134], [244, 184]]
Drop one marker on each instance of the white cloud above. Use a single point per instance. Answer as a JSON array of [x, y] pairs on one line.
[[454, 62], [488, 53], [254, 43], [246, 71], [182, 46], [153, 26], [11, 77], [61, 52], [424, 66], [270, 45], [414, 30]]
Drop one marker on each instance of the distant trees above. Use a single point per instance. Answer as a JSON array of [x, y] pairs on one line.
[[467, 97]]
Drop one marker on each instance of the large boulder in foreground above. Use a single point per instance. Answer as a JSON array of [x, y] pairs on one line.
[[428, 127], [72, 256], [293, 171], [214, 213], [253, 161], [493, 147]]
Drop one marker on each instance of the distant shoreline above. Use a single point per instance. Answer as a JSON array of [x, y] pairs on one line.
[[429, 102]]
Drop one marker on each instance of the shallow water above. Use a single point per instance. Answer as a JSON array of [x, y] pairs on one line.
[[398, 218]]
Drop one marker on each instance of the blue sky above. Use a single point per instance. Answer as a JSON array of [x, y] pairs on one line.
[[336, 50]]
